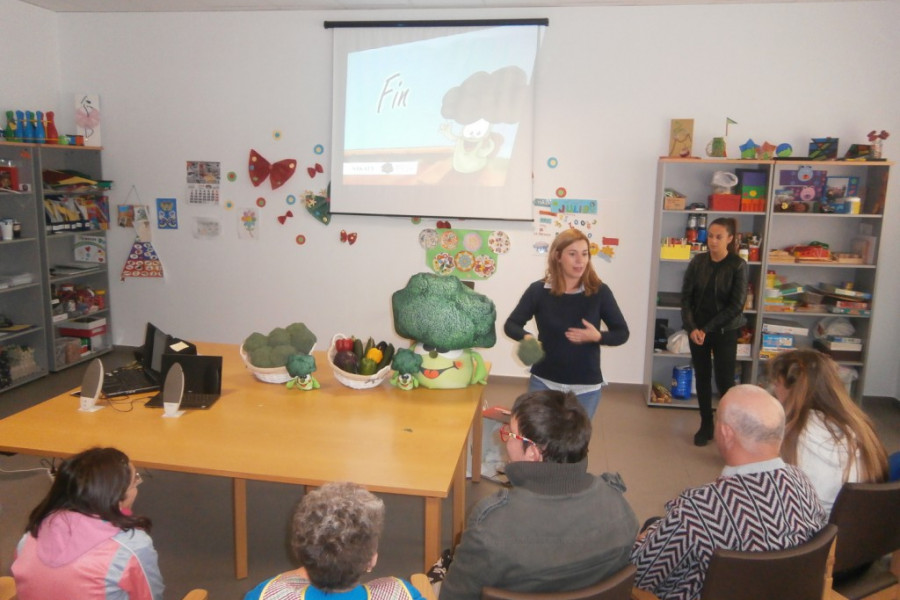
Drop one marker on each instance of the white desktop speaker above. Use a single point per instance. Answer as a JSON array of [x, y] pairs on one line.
[[91, 385], [173, 389]]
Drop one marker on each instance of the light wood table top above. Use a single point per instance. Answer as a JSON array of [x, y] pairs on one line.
[[386, 439]]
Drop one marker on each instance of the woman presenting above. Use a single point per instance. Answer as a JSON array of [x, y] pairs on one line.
[[568, 306], [712, 304]]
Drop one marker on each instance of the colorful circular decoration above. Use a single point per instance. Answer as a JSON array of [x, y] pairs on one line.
[[449, 240], [499, 242], [260, 202], [318, 148], [229, 204], [415, 220], [595, 249], [472, 241], [552, 162], [561, 192], [443, 263], [291, 199], [484, 265], [301, 239], [232, 176], [428, 238], [276, 134], [464, 260]]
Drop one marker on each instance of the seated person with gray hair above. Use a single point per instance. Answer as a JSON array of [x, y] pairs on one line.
[[757, 504], [334, 534]]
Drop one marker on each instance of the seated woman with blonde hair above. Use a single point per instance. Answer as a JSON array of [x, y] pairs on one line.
[[826, 434], [334, 534]]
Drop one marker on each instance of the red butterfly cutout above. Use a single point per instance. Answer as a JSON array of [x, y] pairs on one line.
[[259, 168], [284, 217], [313, 170], [349, 238], [443, 224]]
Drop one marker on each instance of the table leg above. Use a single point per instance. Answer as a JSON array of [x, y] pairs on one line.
[[459, 498], [239, 487], [432, 531], [476, 433]]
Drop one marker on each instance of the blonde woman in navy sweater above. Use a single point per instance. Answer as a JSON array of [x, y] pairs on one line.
[[568, 305]]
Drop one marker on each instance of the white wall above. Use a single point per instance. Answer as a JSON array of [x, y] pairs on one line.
[[29, 69], [178, 87]]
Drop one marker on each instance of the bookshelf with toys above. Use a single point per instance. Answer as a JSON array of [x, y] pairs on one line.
[[812, 251]]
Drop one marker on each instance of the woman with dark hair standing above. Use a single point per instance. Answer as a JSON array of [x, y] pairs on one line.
[[82, 541], [712, 303], [826, 434], [568, 306]]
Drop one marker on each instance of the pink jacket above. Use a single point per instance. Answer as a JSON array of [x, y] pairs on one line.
[[77, 557]]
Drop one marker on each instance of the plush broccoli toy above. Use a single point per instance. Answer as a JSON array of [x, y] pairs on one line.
[[445, 319], [301, 368], [530, 351], [406, 366]]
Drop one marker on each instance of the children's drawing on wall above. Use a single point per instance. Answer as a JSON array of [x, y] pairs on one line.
[[166, 213], [142, 260], [553, 215], [463, 253], [206, 228], [248, 224], [87, 118], [203, 182], [125, 215]]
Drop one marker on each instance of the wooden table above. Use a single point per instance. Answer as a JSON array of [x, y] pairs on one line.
[[388, 440]]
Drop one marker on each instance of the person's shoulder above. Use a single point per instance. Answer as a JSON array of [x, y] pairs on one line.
[[133, 538], [489, 505]]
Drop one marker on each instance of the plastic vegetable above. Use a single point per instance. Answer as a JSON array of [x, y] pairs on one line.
[[442, 312], [375, 355], [301, 368], [530, 351], [274, 350], [406, 364]]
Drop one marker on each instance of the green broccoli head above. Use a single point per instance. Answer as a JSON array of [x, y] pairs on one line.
[[406, 362], [281, 354], [255, 340], [279, 337], [301, 365], [444, 313], [262, 357], [301, 337]]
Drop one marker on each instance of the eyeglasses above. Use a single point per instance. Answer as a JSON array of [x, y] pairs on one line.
[[138, 480], [505, 434]]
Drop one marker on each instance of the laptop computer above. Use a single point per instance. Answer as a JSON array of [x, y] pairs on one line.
[[129, 380], [202, 380]]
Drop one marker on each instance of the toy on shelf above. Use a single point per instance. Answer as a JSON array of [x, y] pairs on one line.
[[876, 139]]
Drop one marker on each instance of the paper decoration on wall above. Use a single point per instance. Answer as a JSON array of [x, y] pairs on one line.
[[232, 176], [284, 217], [552, 162], [276, 135], [206, 228], [317, 168], [290, 200], [462, 253], [90, 247], [318, 148], [125, 216], [300, 239], [87, 118], [319, 205], [203, 182], [553, 215], [248, 224], [166, 213], [443, 225], [142, 260], [259, 168], [348, 238]]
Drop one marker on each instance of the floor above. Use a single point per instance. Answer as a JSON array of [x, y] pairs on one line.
[[650, 447]]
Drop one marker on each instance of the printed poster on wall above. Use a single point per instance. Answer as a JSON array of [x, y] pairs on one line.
[[203, 182]]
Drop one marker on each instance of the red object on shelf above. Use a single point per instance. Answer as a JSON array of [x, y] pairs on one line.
[[725, 202]]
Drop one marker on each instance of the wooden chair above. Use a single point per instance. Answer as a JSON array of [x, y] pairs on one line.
[[8, 591], [800, 573], [615, 587], [868, 518]]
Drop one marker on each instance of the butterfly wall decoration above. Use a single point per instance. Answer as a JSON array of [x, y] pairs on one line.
[[278, 173]]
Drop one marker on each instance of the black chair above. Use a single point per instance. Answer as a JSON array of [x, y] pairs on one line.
[[868, 518], [799, 573], [615, 587]]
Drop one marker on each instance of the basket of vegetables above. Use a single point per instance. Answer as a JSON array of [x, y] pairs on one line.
[[357, 364], [266, 355]]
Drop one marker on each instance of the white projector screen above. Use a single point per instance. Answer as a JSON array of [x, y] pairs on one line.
[[433, 120]]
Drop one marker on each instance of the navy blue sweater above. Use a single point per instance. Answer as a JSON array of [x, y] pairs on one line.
[[565, 362]]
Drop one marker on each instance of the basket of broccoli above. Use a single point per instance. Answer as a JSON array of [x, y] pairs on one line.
[[266, 356]]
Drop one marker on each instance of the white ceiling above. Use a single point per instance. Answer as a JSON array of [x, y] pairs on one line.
[[232, 5]]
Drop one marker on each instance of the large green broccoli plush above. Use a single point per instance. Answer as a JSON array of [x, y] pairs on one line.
[[274, 350], [443, 313], [445, 319]]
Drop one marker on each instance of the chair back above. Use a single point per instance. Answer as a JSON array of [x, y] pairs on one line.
[[799, 573], [614, 587], [868, 517]]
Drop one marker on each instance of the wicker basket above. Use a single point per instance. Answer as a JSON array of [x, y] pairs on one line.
[[268, 375], [351, 380]]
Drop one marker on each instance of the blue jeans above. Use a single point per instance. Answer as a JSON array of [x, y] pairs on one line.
[[589, 400]]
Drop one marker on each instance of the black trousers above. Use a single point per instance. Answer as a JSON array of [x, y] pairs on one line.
[[722, 346]]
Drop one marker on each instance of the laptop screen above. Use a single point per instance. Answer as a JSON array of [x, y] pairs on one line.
[[202, 373], [155, 342]]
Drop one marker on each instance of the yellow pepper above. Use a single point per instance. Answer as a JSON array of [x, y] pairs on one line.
[[375, 354]]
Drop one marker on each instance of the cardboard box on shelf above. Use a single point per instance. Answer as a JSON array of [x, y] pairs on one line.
[[674, 202]]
